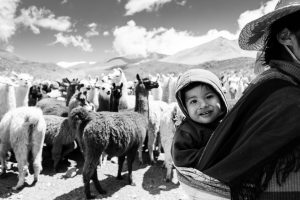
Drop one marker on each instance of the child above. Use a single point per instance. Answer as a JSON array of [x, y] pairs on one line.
[[199, 95]]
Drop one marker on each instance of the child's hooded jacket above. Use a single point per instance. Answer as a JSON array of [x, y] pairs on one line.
[[191, 137]]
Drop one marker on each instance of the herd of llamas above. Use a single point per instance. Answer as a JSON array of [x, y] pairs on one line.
[[105, 117]]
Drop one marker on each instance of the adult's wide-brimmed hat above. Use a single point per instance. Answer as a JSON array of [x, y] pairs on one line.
[[253, 35]]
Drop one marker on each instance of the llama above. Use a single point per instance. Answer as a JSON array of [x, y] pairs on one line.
[[93, 89], [80, 99], [23, 130], [165, 88], [51, 106], [104, 97], [172, 88], [23, 82], [169, 119], [115, 133], [59, 135], [155, 112], [157, 93], [116, 94], [8, 98], [73, 87]]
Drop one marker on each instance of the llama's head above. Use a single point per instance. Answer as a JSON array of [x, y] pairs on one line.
[[116, 91], [81, 98], [78, 116], [145, 84]]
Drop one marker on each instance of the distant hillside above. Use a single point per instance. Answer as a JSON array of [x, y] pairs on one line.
[[153, 67], [10, 62], [218, 49]]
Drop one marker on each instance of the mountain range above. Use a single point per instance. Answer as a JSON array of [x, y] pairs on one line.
[[216, 55]]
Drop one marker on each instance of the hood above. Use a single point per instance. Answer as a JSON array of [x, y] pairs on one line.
[[204, 76]]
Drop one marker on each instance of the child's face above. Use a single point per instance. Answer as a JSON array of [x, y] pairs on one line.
[[203, 104]]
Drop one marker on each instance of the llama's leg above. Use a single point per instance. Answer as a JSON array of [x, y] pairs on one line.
[[103, 159], [151, 140], [130, 159], [56, 155], [97, 183], [140, 151], [21, 157], [91, 161], [68, 149], [120, 166], [3, 151], [37, 150]]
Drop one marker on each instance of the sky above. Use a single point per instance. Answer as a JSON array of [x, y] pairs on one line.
[[88, 31]]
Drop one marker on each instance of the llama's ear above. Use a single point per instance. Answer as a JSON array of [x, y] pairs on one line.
[[138, 78], [113, 85], [121, 85]]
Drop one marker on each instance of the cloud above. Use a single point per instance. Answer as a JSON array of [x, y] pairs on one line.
[[7, 15], [106, 33], [250, 15], [10, 48], [66, 64], [35, 19], [181, 2], [135, 6], [76, 41], [136, 40], [92, 31], [64, 1]]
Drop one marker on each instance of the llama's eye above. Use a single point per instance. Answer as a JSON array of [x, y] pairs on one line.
[[103, 88]]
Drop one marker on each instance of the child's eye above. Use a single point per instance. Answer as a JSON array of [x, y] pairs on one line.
[[210, 96], [193, 101]]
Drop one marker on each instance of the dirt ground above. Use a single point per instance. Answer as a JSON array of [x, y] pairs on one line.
[[149, 182]]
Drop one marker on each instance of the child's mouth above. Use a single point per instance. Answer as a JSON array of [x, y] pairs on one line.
[[206, 113]]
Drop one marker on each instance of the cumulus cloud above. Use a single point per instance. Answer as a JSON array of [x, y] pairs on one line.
[[10, 48], [135, 6], [7, 15], [64, 1], [105, 33], [181, 2], [35, 19], [250, 15], [76, 41], [92, 31], [136, 40]]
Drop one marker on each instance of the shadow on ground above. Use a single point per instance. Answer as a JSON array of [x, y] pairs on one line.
[[152, 180]]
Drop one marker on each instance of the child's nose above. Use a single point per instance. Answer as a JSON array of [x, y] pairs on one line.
[[202, 104]]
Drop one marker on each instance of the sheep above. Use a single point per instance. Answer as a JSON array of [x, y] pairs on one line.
[[169, 120], [23, 130], [59, 135], [115, 133]]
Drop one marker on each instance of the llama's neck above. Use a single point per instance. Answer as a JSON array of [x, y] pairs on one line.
[[142, 104], [114, 104]]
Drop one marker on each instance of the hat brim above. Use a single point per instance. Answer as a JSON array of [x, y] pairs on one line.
[[253, 35]]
